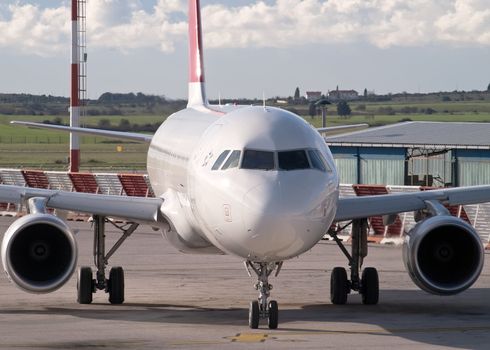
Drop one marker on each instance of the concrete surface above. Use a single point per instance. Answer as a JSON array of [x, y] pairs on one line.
[[178, 301]]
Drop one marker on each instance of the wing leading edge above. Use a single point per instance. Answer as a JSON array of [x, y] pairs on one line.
[[97, 132], [138, 209], [350, 208]]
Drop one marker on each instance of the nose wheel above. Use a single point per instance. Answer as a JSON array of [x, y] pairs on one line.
[[262, 308]]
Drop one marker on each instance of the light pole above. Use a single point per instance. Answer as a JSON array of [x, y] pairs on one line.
[[322, 103]]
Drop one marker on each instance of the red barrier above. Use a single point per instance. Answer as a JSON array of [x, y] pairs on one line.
[[376, 222], [135, 185], [7, 207], [36, 178], [84, 182]]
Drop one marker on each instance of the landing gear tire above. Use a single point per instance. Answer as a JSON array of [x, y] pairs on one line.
[[370, 286], [254, 314], [273, 314], [85, 285], [116, 285], [339, 287]]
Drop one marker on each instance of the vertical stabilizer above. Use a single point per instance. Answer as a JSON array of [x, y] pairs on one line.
[[197, 91]]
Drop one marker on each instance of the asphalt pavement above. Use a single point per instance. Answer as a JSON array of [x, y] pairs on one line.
[[181, 301]]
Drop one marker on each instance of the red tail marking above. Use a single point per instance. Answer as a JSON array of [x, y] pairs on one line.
[[74, 10], [196, 69]]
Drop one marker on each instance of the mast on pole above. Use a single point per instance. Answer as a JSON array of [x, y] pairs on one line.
[[78, 95]]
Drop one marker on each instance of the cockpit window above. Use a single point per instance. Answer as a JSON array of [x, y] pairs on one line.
[[316, 161], [261, 160], [293, 160], [220, 160], [232, 161]]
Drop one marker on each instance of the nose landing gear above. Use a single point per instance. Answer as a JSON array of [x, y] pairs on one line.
[[261, 308]]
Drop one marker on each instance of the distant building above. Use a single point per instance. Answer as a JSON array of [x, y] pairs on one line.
[[346, 95], [313, 95], [415, 154]]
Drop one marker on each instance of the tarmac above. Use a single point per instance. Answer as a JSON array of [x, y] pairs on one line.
[[179, 301]]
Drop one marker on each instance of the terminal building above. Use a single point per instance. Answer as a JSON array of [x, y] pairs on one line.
[[434, 154]]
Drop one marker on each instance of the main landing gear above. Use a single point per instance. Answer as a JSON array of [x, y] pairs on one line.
[[261, 308], [367, 284], [86, 285]]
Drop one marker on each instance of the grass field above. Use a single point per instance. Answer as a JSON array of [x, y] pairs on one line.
[[45, 149], [35, 148], [54, 156], [458, 106]]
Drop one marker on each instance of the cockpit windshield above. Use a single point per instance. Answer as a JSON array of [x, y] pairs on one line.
[[316, 160], [232, 161], [220, 160], [262, 160], [298, 159], [293, 160]]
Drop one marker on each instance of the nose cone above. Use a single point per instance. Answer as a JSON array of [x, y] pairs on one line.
[[285, 218]]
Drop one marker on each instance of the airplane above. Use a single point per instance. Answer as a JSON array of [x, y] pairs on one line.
[[255, 182]]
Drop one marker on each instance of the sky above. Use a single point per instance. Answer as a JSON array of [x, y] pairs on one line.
[[251, 47]]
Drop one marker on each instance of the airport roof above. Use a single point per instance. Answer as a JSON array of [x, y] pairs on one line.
[[440, 135]]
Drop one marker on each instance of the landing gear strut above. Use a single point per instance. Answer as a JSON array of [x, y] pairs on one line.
[[367, 284], [261, 308], [86, 285]]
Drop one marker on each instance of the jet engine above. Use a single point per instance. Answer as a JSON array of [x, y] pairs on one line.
[[39, 253], [443, 255]]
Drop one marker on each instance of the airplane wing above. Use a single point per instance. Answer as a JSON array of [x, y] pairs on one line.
[[350, 208], [138, 209], [98, 132]]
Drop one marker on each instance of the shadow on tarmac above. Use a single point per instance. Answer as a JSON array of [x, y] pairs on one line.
[[410, 314]]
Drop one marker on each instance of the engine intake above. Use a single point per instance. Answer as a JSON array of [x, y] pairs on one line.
[[443, 255], [39, 253]]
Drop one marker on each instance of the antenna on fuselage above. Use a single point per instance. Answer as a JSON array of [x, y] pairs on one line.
[[263, 99]]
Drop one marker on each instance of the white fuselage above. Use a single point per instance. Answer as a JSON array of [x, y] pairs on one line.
[[257, 214]]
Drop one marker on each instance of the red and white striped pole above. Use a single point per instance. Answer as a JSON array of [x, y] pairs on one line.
[[75, 94]]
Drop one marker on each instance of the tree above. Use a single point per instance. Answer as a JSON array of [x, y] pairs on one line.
[[296, 94], [58, 121], [343, 109], [488, 87], [104, 124], [124, 125], [312, 110], [365, 92]]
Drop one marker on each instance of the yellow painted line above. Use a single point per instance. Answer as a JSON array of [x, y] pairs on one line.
[[280, 335], [249, 338]]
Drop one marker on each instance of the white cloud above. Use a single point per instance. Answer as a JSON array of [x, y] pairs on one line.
[[125, 25], [467, 19], [32, 30]]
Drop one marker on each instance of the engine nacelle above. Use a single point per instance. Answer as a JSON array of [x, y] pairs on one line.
[[443, 255], [39, 253]]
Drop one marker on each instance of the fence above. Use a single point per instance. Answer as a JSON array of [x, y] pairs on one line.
[[478, 215], [138, 185]]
